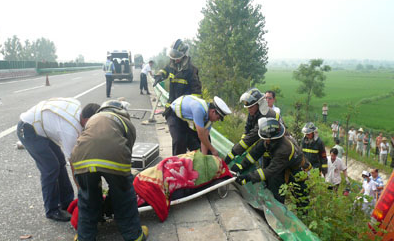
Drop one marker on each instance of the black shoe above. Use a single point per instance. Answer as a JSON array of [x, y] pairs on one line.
[[147, 93], [141, 93], [59, 215], [108, 96]]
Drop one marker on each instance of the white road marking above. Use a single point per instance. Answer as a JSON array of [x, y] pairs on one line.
[[18, 81], [85, 92], [18, 91], [8, 131], [12, 129], [76, 78]]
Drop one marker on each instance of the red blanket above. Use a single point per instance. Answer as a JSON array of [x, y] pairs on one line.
[[156, 184]]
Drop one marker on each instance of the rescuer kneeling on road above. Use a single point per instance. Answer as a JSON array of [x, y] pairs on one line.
[[257, 106], [190, 120], [286, 159], [104, 149], [313, 148], [49, 132]]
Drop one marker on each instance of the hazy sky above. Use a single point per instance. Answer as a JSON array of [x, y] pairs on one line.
[[331, 29]]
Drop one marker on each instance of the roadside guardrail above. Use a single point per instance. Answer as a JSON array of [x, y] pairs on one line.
[[284, 222]]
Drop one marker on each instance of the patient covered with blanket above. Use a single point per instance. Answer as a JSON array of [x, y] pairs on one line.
[[155, 185]]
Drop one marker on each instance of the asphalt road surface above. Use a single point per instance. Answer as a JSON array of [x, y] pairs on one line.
[[21, 209]]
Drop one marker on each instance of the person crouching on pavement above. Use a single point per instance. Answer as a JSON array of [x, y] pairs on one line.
[[190, 119], [104, 149], [286, 159], [49, 131], [257, 106]]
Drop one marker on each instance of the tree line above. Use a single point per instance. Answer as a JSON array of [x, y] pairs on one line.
[[42, 49]]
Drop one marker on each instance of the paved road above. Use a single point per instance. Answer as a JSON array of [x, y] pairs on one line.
[[22, 212]]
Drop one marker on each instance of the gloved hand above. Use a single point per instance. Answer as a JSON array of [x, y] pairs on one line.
[[243, 179], [236, 167], [167, 110], [158, 79]]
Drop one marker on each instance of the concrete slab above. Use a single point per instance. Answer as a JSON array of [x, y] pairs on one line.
[[195, 210], [234, 214], [201, 231], [250, 235]]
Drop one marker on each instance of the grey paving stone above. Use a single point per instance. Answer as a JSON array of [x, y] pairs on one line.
[[195, 210], [201, 231], [234, 214], [250, 235]]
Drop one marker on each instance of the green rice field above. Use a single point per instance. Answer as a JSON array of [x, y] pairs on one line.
[[341, 87]]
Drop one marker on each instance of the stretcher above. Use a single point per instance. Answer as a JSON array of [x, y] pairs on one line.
[[221, 187]]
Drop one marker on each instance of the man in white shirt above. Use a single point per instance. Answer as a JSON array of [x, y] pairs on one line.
[[143, 77], [49, 132], [335, 167], [270, 97]]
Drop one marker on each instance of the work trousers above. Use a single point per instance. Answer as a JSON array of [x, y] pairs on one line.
[[55, 183], [108, 79], [143, 82], [124, 204], [183, 138]]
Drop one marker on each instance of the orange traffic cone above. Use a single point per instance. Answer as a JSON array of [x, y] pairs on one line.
[[47, 82]]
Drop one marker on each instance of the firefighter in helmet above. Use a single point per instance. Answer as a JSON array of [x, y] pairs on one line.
[[257, 107], [313, 148], [181, 73], [286, 158]]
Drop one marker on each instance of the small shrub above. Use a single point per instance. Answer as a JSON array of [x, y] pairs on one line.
[[329, 214]]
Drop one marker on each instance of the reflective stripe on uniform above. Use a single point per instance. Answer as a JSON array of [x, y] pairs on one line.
[[93, 163], [163, 71], [171, 76], [292, 151], [261, 174], [250, 158], [310, 150], [117, 116], [324, 165], [140, 237], [178, 110], [66, 108], [266, 154], [231, 155], [243, 144], [277, 116], [108, 68], [179, 81]]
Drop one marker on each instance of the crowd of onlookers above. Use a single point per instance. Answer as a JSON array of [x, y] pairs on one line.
[[362, 142]]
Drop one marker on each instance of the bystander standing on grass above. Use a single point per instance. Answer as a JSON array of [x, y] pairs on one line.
[[384, 148]]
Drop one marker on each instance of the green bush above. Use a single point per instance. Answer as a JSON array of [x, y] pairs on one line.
[[331, 215], [232, 127]]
